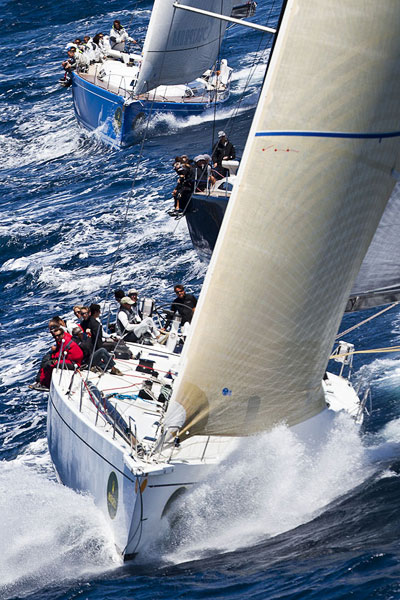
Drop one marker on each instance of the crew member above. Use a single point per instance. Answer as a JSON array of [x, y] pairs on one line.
[[118, 36], [65, 350], [223, 150], [184, 304], [128, 328]]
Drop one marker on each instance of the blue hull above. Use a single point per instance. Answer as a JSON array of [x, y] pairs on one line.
[[99, 109], [204, 218]]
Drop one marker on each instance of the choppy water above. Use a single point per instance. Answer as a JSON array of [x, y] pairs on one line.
[[296, 526]]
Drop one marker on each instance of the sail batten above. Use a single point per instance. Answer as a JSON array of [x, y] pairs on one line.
[[180, 46], [299, 222]]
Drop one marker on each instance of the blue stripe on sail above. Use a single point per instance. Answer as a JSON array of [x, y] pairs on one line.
[[330, 134]]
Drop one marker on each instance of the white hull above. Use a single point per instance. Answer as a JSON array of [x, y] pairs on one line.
[[135, 489]]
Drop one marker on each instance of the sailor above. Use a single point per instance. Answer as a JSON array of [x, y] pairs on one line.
[[68, 65], [223, 150], [95, 311], [64, 349], [100, 46], [184, 189], [84, 344], [54, 323], [74, 322], [101, 359], [118, 36], [202, 172], [90, 49], [133, 295], [103, 43], [126, 326], [91, 327], [184, 304]]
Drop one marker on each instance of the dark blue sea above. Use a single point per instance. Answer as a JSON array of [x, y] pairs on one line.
[[78, 219]]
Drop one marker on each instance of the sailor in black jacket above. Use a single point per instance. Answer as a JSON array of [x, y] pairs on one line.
[[184, 304], [223, 150]]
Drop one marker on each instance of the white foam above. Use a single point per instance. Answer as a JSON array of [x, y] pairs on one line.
[[381, 371], [270, 485], [48, 533]]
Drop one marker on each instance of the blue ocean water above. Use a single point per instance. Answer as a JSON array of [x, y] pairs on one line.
[[295, 526]]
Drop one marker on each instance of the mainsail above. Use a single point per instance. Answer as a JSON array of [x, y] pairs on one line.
[[378, 281], [181, 45], [313, 184]]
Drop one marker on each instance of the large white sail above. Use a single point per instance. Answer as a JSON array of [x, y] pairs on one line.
[[314, 181], [181, 45]]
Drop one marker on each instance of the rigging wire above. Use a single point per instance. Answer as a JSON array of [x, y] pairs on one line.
[[220, 36], [125, 218], [342, 333], [257, 61]]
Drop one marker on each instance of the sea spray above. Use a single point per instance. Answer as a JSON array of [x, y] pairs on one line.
[[48, 533], [271, 484]]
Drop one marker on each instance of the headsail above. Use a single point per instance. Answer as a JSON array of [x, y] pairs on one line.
[[378, 281], [180, 45], [314, 181]]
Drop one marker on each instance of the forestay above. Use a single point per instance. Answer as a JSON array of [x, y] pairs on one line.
[[313, 184], [181, 45]]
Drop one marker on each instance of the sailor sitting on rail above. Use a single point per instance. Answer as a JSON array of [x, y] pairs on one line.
[[68, 65], [118, 36], [65, 351], [203, 176], [128, 328]]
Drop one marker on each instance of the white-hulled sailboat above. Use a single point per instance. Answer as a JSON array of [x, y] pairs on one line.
[[316, 175]]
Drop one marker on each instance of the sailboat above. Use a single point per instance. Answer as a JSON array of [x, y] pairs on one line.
[[319, 166], [176, 73]]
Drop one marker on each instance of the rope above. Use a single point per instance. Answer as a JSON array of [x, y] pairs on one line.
[[366, 320]]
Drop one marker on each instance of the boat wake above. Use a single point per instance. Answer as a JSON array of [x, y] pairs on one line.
[[74, 542]]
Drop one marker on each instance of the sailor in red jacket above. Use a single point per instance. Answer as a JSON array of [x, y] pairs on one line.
[[64, 344]]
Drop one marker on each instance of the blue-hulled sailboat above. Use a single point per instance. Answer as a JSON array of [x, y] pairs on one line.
[[176, 73]]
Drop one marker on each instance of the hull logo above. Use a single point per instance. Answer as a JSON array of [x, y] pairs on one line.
[[143, 486], [112, 495], [118, 119]]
